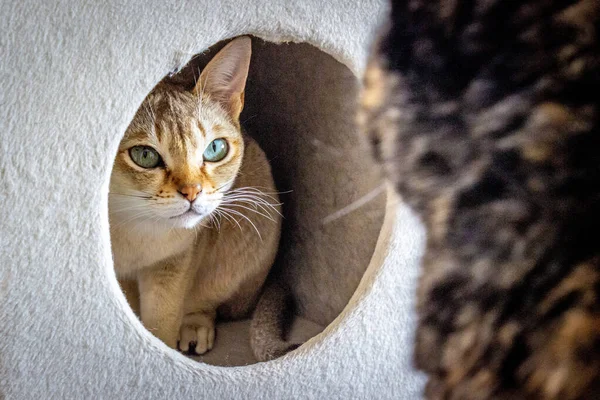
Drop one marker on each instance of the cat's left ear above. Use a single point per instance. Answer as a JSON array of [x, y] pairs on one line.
[[224, 78]]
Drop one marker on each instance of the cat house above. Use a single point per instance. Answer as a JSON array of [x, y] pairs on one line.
[[73, 75]]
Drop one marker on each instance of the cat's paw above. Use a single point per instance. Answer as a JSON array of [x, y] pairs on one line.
[[197, 334]]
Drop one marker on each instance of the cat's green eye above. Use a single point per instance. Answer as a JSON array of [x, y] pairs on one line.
[[216, 150], [145, 156]]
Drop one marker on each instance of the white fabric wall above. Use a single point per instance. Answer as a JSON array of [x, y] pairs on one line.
[[72, 74]]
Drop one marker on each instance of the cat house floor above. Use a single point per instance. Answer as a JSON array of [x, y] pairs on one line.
[[232, 342]]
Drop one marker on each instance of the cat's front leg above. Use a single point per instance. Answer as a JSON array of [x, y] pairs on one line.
[[130, 290], [161, 299], [198, 329]]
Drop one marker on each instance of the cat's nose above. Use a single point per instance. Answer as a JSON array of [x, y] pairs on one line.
[[190, 192]]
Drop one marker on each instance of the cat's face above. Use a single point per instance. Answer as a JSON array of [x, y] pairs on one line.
[[183, 149]]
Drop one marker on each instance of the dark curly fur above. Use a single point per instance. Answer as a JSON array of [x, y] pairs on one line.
[[485, 114]]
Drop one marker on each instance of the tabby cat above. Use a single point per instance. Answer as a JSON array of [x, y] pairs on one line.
[[194, 215], [485, 115]]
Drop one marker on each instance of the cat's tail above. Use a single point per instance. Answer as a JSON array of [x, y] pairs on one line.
[[271, 320]]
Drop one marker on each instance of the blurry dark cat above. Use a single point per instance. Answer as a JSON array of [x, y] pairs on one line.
[[485, 114]]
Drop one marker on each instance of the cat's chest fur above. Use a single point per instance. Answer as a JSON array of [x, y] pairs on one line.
[[133, 252]]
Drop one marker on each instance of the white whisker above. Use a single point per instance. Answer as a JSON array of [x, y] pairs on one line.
[[130, 195], [229, 218], [269, 217], [354, 205], [133, 218], [246, 218], [133, 207], [265, 207]]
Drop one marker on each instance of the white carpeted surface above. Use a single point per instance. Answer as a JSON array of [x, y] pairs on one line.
[[72, 75]]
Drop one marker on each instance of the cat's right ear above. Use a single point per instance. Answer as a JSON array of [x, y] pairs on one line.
[[224, 78]]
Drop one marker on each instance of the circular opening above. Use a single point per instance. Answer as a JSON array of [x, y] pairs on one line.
[[299, 107]]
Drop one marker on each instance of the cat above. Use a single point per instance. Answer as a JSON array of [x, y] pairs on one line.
[[484, 115], [306, 95], [195, 218]]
